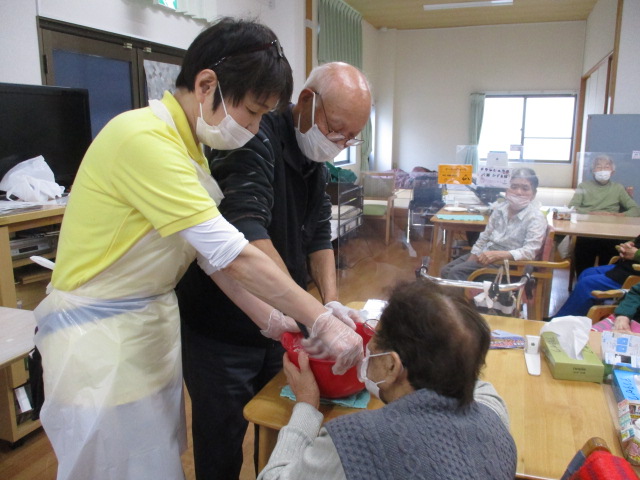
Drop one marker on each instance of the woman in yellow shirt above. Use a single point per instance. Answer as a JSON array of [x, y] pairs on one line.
[[143, 206]]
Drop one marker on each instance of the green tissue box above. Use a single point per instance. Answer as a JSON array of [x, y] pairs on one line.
[[563, 367]]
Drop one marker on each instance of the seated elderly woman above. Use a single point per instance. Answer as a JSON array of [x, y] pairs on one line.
[[600, 196], [439, 422], [604, 277], [516, 230]]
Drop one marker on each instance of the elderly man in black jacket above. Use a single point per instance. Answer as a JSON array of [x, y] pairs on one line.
[[274, 191]]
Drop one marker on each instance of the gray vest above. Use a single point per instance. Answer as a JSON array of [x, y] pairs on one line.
[[424, 436]]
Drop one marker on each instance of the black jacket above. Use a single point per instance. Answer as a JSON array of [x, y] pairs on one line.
[[271, 191]]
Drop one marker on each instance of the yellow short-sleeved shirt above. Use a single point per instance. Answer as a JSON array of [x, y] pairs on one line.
[[136, 176]]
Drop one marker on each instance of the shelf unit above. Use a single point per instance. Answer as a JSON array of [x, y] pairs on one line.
[[32, 282], [16, 335], [17, 326]]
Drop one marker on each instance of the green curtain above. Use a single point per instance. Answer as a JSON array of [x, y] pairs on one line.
[[475, 127], [340, 40]]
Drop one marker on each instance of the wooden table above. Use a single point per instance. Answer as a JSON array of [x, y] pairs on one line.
[[47, 215], [550, 419], [600, 226], [16, 341], [442, 237]]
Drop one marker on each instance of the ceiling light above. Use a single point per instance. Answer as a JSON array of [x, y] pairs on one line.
[[487, 3]]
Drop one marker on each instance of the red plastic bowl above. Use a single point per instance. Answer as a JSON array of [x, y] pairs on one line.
[[330, 385]]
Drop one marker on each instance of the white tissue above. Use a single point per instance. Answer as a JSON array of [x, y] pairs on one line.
[[572, 332]]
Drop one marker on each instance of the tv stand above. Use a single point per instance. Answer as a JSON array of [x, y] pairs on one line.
[[47, 215]]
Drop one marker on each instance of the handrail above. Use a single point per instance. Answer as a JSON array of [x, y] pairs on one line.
[[504, 287]]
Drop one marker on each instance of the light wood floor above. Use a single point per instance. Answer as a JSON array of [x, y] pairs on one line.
[[368, 269]]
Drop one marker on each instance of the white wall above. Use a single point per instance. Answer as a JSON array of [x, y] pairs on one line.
[[601, 33], [627, 93], [426, 77], [19, 53]]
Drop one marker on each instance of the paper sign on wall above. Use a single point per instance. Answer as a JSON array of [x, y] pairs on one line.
[[635, 155], [494, 177], [455, 174]]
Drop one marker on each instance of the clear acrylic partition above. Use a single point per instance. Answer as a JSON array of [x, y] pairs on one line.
[[367, 266], [626, 166]]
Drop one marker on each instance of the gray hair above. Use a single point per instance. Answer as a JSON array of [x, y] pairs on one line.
[[603, 159], [528, 174]]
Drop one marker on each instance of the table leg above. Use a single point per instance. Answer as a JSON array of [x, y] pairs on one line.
[[435, 261], [267, 439]]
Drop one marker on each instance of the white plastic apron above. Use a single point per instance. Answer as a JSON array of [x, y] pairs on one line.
[[113, 373]]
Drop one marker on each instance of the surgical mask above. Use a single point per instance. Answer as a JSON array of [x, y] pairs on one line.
[[518, 203], [228, 135], [602, 175], [370, 385], [313, 143]]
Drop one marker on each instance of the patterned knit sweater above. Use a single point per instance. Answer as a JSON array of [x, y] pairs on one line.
[[424, 436]]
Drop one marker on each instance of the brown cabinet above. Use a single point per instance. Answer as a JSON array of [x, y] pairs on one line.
[[16, 336], [22, 275]]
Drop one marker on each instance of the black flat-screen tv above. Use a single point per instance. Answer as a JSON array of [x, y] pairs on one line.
[[41, 120]]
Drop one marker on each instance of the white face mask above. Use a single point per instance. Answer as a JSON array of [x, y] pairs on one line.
[[227, 135], [518, 203], [602, 175], [313, 143], [370, 385]]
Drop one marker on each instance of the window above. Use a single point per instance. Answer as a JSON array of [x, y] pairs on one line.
[[345, 156], [530, 128], [119, 72]]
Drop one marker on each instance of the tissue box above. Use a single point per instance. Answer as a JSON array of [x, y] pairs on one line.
[[626, 388], [563, 367], [562, 213]]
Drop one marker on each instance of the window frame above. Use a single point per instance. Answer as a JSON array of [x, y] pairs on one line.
[[80, 39], [349, 161], [525, 97]]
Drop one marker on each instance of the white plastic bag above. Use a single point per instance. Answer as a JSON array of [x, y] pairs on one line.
[[31, 181]]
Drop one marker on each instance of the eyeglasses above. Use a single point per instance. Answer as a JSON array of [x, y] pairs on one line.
[[334, 136], [258, 48]]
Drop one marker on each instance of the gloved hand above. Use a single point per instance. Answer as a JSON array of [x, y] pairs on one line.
[[315, 348], [340, 341], [346, 315], [278, 324]]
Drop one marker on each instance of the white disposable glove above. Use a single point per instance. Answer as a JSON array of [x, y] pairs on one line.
[[278, 324], [315, 348], [346, 315], [340, 341]]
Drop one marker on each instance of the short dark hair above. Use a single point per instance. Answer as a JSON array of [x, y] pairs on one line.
[[240, 70], [440, 338], [528, 174]]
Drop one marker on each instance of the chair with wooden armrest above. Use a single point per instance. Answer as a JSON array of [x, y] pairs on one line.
[[378, 190], [598, 312], [538, 292]]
